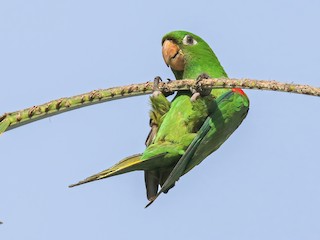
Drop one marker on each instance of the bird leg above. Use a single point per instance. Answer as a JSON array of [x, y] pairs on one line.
[[156, 91], [159, 106]]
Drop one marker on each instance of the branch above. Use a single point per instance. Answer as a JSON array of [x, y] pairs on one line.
[[12, 120]]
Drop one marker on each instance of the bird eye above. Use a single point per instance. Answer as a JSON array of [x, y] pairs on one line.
[[188, 40]]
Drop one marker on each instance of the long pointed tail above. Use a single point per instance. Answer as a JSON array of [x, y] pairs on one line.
[[128, 164]]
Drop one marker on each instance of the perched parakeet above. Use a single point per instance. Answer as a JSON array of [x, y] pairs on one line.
[[191, 127]]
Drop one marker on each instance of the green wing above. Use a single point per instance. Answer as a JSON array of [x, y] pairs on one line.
[[227, 115], [180, 167]]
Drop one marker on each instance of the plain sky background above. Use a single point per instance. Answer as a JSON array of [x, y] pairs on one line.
[[263, 183]]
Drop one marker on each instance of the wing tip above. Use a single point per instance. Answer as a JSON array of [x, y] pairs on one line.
[[152, 199]]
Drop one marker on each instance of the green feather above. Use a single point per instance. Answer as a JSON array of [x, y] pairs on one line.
[[187, 131]]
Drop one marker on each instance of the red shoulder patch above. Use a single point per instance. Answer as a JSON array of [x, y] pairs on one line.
[[238, 90]]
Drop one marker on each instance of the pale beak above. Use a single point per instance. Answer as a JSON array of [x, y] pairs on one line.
[[172, 55]]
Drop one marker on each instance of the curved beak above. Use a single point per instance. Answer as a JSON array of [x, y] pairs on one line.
[[172, 55]]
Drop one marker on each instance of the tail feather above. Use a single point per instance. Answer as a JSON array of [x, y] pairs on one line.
[[151, 178], [126, 165]]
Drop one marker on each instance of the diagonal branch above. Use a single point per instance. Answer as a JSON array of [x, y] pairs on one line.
[[12, 120]]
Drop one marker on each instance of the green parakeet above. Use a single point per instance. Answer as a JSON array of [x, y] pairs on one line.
[[191, 127]]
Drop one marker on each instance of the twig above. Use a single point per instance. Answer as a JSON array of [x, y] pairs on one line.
[[12, 120]]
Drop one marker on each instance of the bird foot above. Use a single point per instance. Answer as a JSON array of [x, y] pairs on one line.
[[156, 89], [198, 91]]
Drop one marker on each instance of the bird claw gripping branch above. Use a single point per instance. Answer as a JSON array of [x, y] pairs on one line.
[[198, 91], [156, 89]]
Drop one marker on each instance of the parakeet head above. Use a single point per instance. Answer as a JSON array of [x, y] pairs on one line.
[[188, 55]]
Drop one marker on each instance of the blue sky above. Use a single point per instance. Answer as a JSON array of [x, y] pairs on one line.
[[263, 183]]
